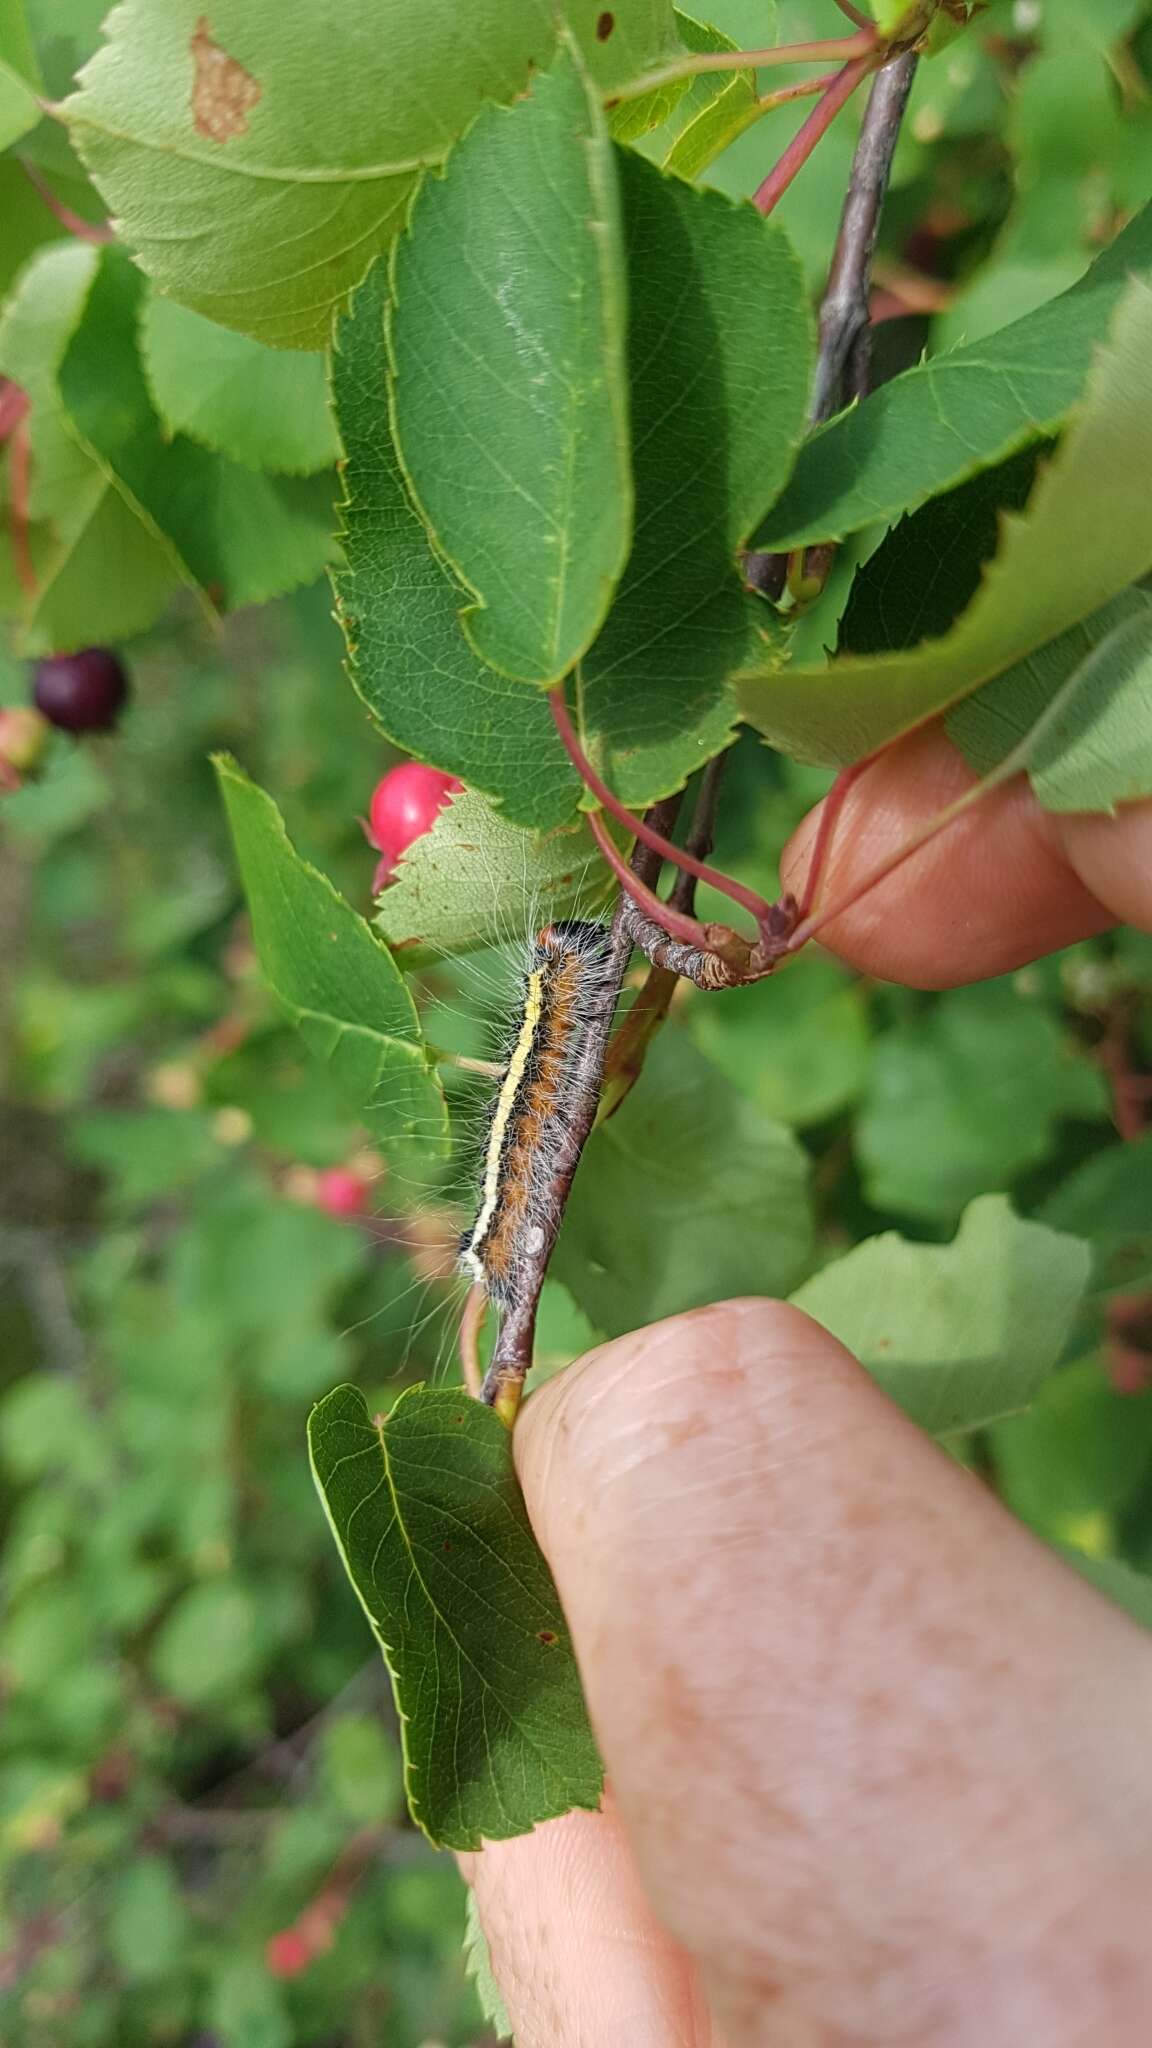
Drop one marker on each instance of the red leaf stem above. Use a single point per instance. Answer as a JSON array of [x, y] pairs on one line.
[[19, 477], [674, 922], [85, 230], [755, 905], [804, 141]]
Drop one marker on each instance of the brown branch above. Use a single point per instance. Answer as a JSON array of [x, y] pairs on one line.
[[1128, 1088], [625, 1060], [1128, 1341], [843, 360], [844, 352], [712, 955], [626, 1053], [726, 960], [701, 837], [646, 901]]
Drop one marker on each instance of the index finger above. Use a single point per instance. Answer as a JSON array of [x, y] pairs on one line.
[[1004, 884], [875, 1749]]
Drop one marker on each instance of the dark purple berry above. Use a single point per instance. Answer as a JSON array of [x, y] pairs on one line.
[[83, 692]]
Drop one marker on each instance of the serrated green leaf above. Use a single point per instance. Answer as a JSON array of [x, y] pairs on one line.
[[628, 120], [65, 33], [693, 119], [957, 1334], [432, 1528], [475, 880], [478, 1963], [19, 107], [928, 568], [257, 159], [399, 608], [955, 413], [708, 451], [508, 396], [703, 138], [236, 536], [965, 1097], [267, 408], [100, 578], [687, 1195], [340, 985], [715, 292], [1078, 712], [100, 573], [1085, 535]]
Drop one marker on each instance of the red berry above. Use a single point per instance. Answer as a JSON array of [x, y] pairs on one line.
[[404, 805], [83, 692], [287, 1953], [340, 1192]]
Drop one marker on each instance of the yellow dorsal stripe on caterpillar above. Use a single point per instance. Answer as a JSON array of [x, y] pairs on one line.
[[501, 1116], [563, 993]]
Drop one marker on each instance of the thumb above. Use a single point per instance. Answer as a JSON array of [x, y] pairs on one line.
[[880, 1757]]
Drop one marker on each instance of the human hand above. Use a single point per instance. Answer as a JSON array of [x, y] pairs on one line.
[[878, 1761]]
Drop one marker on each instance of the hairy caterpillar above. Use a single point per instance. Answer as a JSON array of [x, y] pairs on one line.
[[567, 987]]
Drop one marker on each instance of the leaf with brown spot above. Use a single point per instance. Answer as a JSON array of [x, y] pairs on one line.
[[223, 93], [266, 224]]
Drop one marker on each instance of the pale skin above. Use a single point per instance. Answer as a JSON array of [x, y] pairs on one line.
[[879, 1763]]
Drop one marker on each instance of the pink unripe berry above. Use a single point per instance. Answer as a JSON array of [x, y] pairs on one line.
[[23, 738], [287, 1953], [340, 1192], [404, 806]]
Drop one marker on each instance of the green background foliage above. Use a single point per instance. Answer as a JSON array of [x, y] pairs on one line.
[[198, 1740]]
